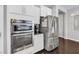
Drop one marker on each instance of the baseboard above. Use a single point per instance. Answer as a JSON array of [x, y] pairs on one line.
[[70, 39]]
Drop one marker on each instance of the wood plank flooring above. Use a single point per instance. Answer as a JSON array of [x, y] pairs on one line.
[[65, 47]]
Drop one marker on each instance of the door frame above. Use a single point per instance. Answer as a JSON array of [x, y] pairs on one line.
[[63, 21]]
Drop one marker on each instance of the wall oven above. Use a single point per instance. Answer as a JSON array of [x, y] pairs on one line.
[[21, 41], [18, 26], [21, 35]]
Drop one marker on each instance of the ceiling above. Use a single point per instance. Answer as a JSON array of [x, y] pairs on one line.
[[70, 6], [65, 6], [49, 6]]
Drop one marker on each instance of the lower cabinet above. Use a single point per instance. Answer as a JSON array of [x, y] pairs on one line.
[[38, 42]]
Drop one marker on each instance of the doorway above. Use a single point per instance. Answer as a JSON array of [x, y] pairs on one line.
[[61, 24], [62, 41]]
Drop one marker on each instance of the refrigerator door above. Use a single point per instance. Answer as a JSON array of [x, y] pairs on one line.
[[49, 26], [56, 40], [49, 36], [52, 35]]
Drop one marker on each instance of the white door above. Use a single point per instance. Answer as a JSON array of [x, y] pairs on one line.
[[1, 29]]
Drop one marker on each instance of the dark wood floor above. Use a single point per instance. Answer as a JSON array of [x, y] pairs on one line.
[[65, 47]]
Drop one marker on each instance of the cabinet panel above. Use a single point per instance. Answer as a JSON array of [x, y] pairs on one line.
[[49, 11], [38, 42], [14, 9], [28, 10], [45, 11], [35, 12], [37, 15]]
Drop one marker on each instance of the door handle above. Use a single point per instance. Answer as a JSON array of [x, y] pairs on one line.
[[0, 34]]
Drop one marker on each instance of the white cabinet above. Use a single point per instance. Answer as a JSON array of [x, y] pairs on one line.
[[45, 11], [49, 11], [38, 42], [37, 15], [28, 10], [33, 11], [14, 9]]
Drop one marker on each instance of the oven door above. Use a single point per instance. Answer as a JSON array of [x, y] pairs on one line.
[[21, 41], [21, 26]]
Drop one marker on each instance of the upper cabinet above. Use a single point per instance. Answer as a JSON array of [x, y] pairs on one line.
[[28, 10], [49, 11], [45, 11], [35, 12], [14, 9]]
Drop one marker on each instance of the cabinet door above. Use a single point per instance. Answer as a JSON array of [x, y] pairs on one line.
[[14, 9], [35, 12], [49, 11], [30, 10], [38, 43], [43, 11], [37, 15]]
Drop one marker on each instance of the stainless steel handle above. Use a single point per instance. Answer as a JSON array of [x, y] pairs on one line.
[[0, 34], [22, 34]]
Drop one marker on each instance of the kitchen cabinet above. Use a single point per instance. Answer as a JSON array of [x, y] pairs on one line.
[[38, 42], [33, 11], [49, 11], [45, 11], [17, 9], [28, 10]]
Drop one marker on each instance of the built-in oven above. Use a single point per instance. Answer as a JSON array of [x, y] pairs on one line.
[[21, 41], [21, 35], [18, 26]]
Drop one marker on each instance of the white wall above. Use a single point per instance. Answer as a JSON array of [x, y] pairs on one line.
[[61, 25], [72, 34], [56, 13], [1, 29]]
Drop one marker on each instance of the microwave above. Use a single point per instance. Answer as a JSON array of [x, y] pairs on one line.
[[18, 26]]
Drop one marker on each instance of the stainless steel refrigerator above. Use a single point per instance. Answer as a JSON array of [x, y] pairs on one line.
[[49, 26]]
